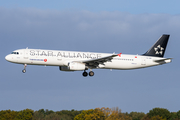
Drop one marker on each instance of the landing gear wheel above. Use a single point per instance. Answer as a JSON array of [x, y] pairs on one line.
[[85, 74], [23, 70], [91, 73]]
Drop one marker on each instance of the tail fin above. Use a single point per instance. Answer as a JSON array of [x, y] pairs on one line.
[[158, 49]]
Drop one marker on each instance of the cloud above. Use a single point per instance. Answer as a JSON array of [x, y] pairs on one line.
[[84, 30], [61, 23]]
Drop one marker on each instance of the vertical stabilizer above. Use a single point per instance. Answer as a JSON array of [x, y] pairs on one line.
[[158, 49]]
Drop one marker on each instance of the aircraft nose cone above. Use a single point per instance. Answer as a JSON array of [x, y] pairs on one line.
[[7, 58]]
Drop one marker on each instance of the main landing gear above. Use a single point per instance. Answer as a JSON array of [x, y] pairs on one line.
[[85, 74], [24, 70]]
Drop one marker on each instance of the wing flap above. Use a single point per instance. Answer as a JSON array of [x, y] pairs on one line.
[[101, 60], [93, 63]]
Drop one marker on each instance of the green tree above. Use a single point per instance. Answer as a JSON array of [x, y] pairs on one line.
[[42, 111], [47, 112], [117, 115], [145, 118], [54, 116], [174, 116], [8, 115], [26, 114], [38, 115], [91, 114], [137, 115], [71, 113], [157, 117], [178, 114], [164, 113]]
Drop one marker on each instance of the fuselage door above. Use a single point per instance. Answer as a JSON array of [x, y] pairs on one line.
[[25, 53], [143, 61]]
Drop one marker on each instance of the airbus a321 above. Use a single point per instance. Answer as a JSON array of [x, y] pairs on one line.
[[82, 61]]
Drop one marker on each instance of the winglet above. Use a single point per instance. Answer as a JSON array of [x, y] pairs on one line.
[[119, 54]]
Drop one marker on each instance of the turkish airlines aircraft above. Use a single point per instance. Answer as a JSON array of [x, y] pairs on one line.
[[82, 61]]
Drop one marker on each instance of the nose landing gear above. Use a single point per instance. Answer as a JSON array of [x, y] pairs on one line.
[[24, 70]]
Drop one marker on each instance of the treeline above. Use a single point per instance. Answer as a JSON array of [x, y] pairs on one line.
[[92, 114]]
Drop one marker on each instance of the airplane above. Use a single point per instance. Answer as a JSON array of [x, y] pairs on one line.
[[82, 61]]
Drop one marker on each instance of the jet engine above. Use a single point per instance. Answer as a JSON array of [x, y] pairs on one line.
[[73, 66]]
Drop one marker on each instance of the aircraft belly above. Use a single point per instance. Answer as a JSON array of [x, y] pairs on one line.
[[126, 65], [121, 65]]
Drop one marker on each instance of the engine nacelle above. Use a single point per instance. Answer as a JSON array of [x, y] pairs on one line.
[[73, 66]]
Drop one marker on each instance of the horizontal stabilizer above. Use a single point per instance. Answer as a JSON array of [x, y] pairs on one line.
[[165, 60]]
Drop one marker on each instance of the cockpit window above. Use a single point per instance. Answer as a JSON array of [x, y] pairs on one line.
[[15, 53]]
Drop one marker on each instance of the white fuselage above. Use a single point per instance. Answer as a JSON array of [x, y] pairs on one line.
[[61, 58]]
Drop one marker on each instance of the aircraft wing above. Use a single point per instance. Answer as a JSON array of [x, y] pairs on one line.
[[93, 63]]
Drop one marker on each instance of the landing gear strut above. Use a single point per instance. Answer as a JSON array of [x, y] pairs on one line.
[[24, 70]]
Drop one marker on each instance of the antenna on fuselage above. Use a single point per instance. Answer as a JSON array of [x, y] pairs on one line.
[[27, 48]]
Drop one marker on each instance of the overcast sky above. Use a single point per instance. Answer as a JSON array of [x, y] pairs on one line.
[[93, 26]]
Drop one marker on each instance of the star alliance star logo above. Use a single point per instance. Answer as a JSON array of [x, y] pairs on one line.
[[159, 50]]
